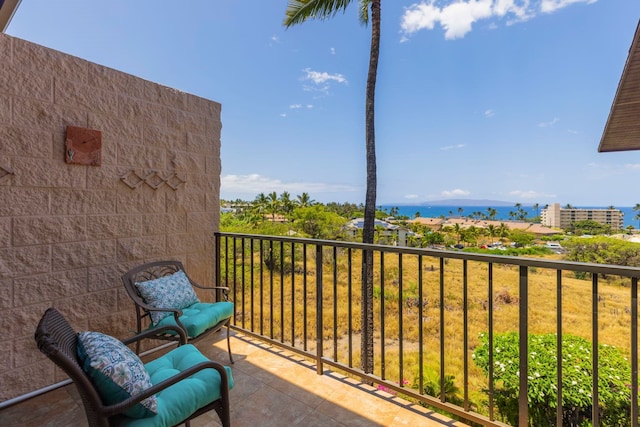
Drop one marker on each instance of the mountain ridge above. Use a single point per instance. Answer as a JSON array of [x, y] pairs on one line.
[[460, 202]]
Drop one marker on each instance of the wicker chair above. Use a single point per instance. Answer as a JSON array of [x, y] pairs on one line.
[[59, 342], [197, 321]]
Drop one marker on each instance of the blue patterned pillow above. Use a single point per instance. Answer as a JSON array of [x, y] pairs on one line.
[[116, 372], [172, 291]]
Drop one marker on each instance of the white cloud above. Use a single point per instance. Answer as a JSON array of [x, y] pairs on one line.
[[530, 194], [273, 40], [419, 17], [283, 114], [332, 50], [457, 17], [300, 106], [633, 166], [411, 196], [489, 113], [548, 124], [233, 186], [319, 77], [454, 193], [550, 6], [452, 147]]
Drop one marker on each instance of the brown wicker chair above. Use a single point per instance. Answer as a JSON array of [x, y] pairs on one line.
[[158, 269], [58, 341]]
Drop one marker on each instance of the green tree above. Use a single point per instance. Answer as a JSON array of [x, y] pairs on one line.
[[493, 231], [521, 237], [458, 230], [273, 204], [614, 392], [588, 226], [636, 208], [491, 213], [260, 204], [304, 200], [286, 204], [503, 231], [318, 223], [298, 11], [433, 238]]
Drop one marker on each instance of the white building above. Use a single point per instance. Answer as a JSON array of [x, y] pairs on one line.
[[558, 217]]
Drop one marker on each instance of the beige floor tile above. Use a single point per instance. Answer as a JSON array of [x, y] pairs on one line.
[[273, 388]]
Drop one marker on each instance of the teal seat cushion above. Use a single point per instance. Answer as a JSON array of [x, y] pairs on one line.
[[182, 399], [201, 316]]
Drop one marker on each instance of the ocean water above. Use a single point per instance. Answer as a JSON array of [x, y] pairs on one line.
[[502, 211]]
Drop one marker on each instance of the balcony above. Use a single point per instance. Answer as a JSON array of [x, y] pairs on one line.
[[273, 387], [432, 310], [297, 337]]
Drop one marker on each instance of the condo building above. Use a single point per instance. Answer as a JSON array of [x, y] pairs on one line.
[[557, 217]]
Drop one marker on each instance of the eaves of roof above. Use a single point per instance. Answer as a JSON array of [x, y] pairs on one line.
[[7, 9], [622, 130]]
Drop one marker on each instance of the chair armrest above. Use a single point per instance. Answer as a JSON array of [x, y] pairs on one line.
[[151, 333], [133, 400], [222, 288], [148, 307]]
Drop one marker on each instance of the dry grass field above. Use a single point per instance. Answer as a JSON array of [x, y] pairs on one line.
[[284, 303]]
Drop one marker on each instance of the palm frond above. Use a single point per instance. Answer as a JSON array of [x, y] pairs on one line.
[[364, 11], [299, 11]]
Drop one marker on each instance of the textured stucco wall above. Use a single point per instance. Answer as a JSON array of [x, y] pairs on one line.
[[68, 232]]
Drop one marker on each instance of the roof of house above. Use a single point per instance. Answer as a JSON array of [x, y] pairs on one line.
[[7, 9], [535, 228], [427, 221], [622, 130], [359, 223]]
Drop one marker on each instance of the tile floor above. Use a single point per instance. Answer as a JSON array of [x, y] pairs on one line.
[[273, 387]]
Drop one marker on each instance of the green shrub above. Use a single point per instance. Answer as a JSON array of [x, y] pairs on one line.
[[613, 390]]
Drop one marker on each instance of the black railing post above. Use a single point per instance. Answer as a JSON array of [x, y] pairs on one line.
[[523, 398], [559, 347], [595, 407], [634, 352], [319, 316], [216, 262]]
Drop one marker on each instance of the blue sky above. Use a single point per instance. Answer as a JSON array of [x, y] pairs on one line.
[[487, 99]]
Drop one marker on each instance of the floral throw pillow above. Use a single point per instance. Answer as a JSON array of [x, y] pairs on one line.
[[116, 372], [172, 291]]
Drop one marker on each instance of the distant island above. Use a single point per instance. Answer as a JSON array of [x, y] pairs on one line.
[[463, 202]]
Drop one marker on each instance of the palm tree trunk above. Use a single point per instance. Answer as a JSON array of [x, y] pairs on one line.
[[370, 199]]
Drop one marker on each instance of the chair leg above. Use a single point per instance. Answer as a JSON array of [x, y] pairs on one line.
[[229, 343]]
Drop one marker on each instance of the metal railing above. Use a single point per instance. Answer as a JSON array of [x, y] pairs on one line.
[[430, 308]]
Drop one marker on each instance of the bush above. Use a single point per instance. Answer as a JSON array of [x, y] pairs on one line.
[[614, 373]]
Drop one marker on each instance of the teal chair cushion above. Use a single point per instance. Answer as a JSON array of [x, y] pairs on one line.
[[182, 399], [201, 316]]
